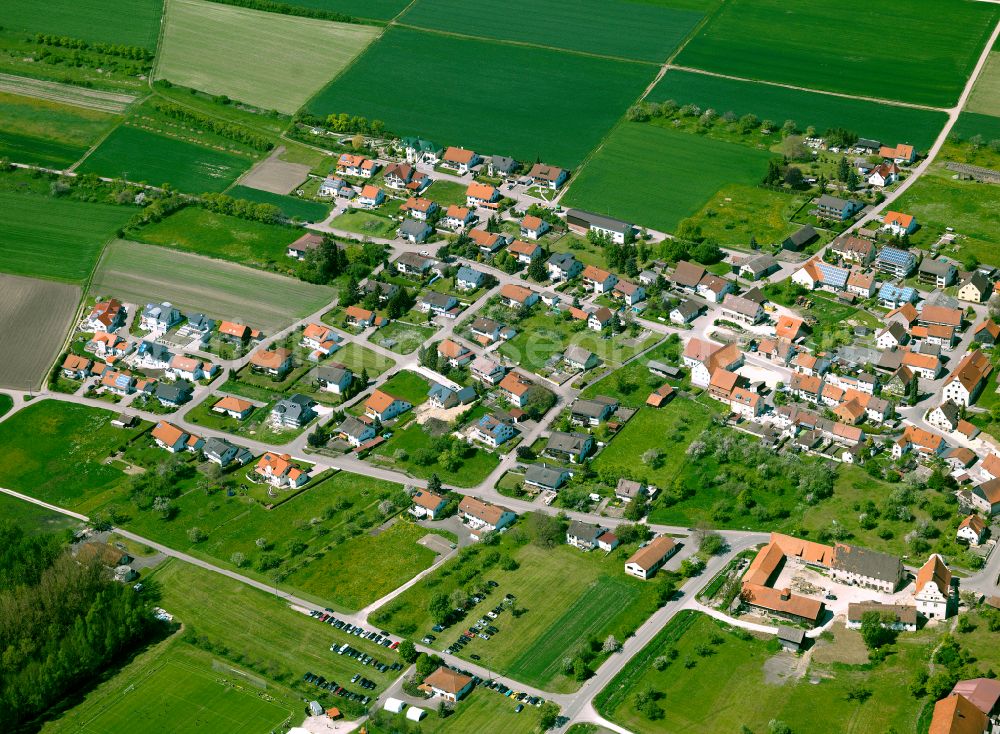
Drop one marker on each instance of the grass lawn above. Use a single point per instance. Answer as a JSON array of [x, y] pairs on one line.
[[402, 337], [367, 568], [632, 383], [446, 193], [366, 223], [291, 206], [202, 415], [202, 232], [543, 334], [581, 248], [670, 429], [834, 316], [413, 438], [641, 31], [45, 237], [90, 20], [140, 273], [407, 385], [974, 123], [55, 451], [483, 711], [46, 133], [672, 176], [738, 212], [32, 518], [700, 699], [569, 598], [245, 53], [357, 358], [822, 111], [6, 403], [972, 209], [378, 86], [136, 154], [930, 69]]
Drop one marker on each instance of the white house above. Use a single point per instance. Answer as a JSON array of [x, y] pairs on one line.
[[972, 530], [932, 592]]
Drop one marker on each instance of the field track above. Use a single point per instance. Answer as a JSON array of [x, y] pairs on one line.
[[90, 99]]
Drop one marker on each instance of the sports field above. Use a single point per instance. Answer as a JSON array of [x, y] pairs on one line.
[[670, 175], [49, 134], [176, 698], [623, 28], [45, 237], [868, 119], [34, 318], [558, 111], [985, 97], [291, 206], [139, 155], [90, 20], [270, 60], [242, 241], [140, 273], [841, 46]]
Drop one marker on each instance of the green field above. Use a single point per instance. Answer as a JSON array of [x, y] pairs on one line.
[[203, 232], [32, 518], [568, 596], [270, 60], [840, 47], [291, 206], [55, 451], [365, 223], [45, 237], [985, 97], [140, 273], [367, 568], [974, 123], [549, 122], [889, 123], [973, 209], [632, 383], [357, 358], [139, 155], [271, 646], [45, 133], [669, 429], [176, 698], [711, 696], [373, 9], [472, 470], [671, 175], [741, 211], [6, 403], [645, 31], [322, 543], [90, 20], [407, 385]]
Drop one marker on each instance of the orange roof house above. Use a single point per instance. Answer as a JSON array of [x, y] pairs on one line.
[[788, 327]]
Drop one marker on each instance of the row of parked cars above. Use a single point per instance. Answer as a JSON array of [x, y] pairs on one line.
[[364, 659], [484, 628], [379, 638], [520, 696], [337, 690]]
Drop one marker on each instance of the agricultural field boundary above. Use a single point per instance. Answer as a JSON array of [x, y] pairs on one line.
[[91, 99]]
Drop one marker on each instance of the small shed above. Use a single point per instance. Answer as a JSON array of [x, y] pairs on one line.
[[315, 709], [791, 638], [415, 714], [394, 705]]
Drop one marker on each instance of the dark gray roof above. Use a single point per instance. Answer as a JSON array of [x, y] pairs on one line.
[[414, 228], [485, 326], [217, 446], [978, 279], [865, 562], [803, 236], [200, 321], [332, 373], [441, 300], [577, 354], [935, 267], [610, 223], [792, 634], [174, 392], [353, 427], [562, 260], [584, 531], [544, 475], [570, 442], [831, 202], [503, 163]]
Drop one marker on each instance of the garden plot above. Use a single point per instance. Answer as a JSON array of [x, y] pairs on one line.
[[275, 175]]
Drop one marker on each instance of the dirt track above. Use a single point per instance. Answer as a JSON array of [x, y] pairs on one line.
[[91, 99]]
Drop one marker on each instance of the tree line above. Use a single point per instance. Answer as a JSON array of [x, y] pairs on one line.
[[270, 6], [228, 130], [135, 53], [61, 623]]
